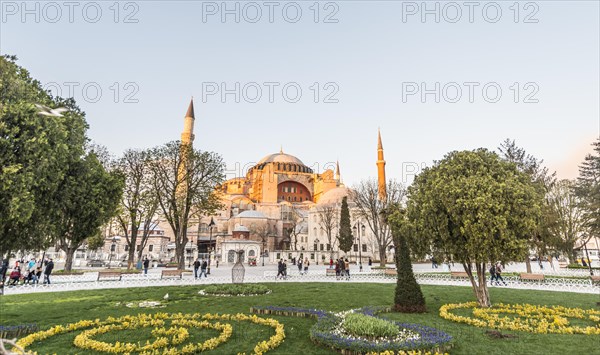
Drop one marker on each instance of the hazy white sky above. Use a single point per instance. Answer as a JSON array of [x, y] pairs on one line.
[[133, 66]]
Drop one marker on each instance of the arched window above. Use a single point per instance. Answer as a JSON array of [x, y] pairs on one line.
[[315, 231]]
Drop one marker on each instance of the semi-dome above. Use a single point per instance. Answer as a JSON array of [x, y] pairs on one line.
[[334, 195], [251, 214]]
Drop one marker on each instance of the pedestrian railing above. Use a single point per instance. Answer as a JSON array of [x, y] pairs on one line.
[[89, 281]]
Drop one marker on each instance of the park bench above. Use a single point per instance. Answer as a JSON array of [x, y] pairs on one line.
[[390, 272], [330, 272], [531, 277], [102, 275], [171, 273], [595, 279], [458, 274]]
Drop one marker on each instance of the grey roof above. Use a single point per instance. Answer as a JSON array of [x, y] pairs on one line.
[[251, 214], [241, 229]]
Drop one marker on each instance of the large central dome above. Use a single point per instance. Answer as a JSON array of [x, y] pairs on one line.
[[281, 158]]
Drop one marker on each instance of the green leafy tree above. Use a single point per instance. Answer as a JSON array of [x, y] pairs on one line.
[[89, 197], [184, 181], [345, 237], [35, 154], [570, 225], [588, 190], [408, 297], [542, 239], [474, 208]]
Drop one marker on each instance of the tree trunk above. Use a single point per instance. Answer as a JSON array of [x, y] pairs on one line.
[[180, 243], [69, 258], [528, 264], [479, 286], [131, 252], [382, 257]]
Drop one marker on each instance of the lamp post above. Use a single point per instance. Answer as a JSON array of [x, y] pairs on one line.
[[210, 227], [358, 228], [316, 250], [113, 246]]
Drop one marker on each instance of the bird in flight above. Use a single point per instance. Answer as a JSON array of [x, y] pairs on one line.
[[52, 112]]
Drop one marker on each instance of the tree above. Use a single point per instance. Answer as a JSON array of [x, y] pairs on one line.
[[35, 152], [328, 220], [571, 221], [183, 179], [371, 208], [541, 239], [345, 237], [294, 226], [408, 297], [474, 208], [89, 196], [588, 190], [139, 203]]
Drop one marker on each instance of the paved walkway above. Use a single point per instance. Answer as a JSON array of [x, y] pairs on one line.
[[317, 273]]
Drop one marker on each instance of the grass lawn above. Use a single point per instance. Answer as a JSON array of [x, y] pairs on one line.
[[49, 309]]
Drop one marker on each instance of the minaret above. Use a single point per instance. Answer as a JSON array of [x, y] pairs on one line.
[[187, 139], [338, 176], [380, 169], [187, 136]]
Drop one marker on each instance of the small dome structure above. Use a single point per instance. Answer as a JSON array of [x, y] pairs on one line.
[[241, 228], [334, 196]]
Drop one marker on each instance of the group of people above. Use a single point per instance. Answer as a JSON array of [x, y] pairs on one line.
[[282, 267], [28, 272], [202, 266], [342, 268], [496, 274]]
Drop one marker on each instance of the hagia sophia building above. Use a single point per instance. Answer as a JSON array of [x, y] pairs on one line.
[[272, 211]]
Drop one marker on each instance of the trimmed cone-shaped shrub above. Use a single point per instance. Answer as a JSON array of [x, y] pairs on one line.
[[408, 297]]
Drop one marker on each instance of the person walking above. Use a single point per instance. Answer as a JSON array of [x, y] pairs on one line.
[[331, 263], [493, 275], [499, 269], [146, 265], [48, 271], [203, 268], [196, 267], [347, 267], [279, 269], [284, 270], [342, 268], [299, 266], [370, 262], [306, 265]]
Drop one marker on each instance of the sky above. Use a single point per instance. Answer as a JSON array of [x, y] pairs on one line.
[[319, 78]]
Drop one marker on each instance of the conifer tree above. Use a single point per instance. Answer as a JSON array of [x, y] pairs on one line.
[[345, 237]]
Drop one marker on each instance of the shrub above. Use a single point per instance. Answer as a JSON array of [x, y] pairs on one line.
[[361, 325]]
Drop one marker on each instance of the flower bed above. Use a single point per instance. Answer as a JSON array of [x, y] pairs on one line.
[[526, 317], [227, 290], [329, 331], [167, 338]]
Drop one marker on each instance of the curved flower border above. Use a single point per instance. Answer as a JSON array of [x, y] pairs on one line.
[[430, 340], [528, 318], [203, 293], [174, 335]]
